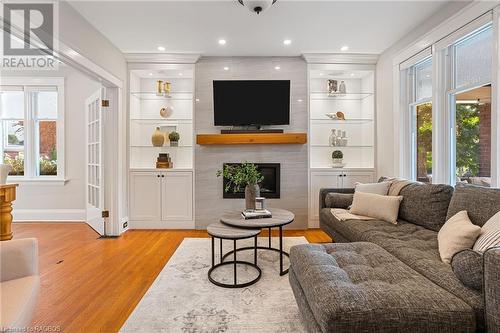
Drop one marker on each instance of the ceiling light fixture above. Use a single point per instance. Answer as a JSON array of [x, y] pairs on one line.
[[299, 100], [277, 68], [287, 42], [222, 42], [257, 6], [161, 48], [150, 74], [181, 74], [352, 74], [344, 48], [226, 68]]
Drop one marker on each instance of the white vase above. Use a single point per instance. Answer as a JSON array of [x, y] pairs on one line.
[[4, 172]]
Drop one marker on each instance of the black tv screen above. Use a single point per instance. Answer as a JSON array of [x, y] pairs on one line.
[[255, 102]]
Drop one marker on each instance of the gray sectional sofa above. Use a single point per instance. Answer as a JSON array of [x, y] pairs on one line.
[[380, 277]]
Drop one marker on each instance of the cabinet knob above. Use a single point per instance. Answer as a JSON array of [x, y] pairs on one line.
[[162, 176], [158, 176]]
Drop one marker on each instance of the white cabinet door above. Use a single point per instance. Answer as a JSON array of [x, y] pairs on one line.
[[351, 178], [145, 196], [319, 180], [177, 196]]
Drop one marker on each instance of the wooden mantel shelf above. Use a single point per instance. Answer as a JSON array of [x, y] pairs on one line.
[[251, 138]]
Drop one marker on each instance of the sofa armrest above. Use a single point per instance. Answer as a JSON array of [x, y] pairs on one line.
[[492, 288], [324, 191], [19, 258]]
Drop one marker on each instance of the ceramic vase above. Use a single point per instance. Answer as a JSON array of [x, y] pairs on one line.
[[4, 172], [166, 111], [251, 192], [342, 88], [158, 138], [174, 143], [332, 86]]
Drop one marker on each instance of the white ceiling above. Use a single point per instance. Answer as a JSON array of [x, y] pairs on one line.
[[313, 26]]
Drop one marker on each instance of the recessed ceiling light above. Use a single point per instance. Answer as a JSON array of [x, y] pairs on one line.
[[287, 41], [299, 100], [321, 74], [161, 48], [222, 42], [226, 68], [181, 74], [150, 74], [344, 48], [352, 74], [197, 99], [277, 68]]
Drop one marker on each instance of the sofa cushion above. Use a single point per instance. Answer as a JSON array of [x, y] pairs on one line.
[[359, 287], [481, 203], [18, 300], [490, 234], [468, 267], [425, 204], [377, 206], [457, 234], [338, 200]]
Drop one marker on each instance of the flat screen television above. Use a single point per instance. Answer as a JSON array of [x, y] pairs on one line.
[[251, 102]]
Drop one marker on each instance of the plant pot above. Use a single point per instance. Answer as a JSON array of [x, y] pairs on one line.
[[251, 192], [337, 162], [174, 143], [4, 172], [157, 138]]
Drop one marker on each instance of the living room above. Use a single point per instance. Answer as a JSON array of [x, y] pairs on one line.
[[225, 169]]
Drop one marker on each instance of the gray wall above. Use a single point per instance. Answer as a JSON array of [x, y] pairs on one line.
[[208, 159]]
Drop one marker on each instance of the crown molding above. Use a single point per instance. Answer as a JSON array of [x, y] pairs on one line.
[[162, 58], [340, 58]]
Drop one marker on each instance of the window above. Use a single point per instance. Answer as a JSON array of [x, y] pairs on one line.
[[470, 100], [420, 108], [31, 123]]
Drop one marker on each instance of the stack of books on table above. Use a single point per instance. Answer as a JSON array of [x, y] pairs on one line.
[[256, 214]]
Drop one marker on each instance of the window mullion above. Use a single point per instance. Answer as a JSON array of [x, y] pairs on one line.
[[29, 160]]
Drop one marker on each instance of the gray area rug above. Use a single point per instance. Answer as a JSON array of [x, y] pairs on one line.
[[181, 299]]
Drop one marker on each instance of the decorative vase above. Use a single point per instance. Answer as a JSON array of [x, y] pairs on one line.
[[333, 138], [174, 143], [4, 172], [251, 192], [158, 138], [159, 87], [332, 86], [166, 111], [342, 88]]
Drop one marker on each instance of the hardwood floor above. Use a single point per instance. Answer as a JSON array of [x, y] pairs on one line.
[[91, 284]]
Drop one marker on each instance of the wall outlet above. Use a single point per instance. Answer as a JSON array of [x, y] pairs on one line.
[[125, 224]]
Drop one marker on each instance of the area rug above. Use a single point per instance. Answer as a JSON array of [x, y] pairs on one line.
[[182, 299]]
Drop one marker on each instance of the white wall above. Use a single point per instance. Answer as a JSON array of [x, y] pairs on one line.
[[57, 201], [385, 117]]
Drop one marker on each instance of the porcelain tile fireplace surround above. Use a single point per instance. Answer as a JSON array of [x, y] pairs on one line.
[[209, 159], [375, 124]]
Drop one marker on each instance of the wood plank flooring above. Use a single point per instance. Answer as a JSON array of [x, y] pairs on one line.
[[91, 284]]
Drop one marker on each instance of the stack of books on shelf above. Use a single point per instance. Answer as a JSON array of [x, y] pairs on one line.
[[256, 214], [164, 161]]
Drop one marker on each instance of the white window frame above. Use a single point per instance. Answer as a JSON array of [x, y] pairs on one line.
[[478, 14], [31, 84]]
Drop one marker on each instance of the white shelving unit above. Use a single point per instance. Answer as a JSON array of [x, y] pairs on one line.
[[358, 106], [161, 198]]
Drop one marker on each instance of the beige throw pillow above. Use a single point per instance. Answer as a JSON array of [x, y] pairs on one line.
[[457, 234], [378, 206], [490, 234], [376, 188]]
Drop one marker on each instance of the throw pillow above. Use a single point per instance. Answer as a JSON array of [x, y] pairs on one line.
[[338, 200], [490, 234], [378, 206], [375, 188], [457, 234], [468, 267]]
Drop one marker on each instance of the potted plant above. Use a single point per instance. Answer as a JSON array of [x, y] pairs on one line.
[[244, 174], [174, 138], [337, 157]]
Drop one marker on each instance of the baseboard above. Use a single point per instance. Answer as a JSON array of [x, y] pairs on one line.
[[133, 224], [49, 215]]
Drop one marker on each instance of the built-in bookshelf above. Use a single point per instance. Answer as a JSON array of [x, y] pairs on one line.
[[145, 105], [357, 105]]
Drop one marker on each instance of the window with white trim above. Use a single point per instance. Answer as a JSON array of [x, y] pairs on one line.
[[469, 95], [31, 127]]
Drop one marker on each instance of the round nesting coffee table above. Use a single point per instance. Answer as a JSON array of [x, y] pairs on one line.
[[280, 218], [222, 231]]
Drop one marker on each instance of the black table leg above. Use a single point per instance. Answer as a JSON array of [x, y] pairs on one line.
[[213, 252], [234, 242], [269, 237], [220, 250], [281, 251], [255, 252]]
